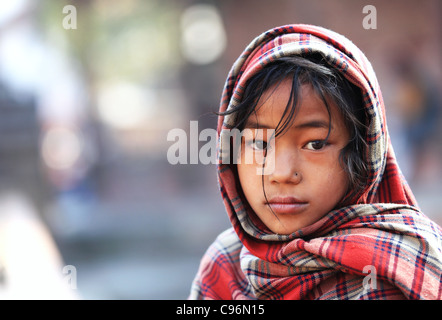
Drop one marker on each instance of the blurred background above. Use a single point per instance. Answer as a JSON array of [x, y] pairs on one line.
[[86, 105]]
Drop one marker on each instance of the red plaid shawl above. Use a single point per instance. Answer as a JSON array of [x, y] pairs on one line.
[[382, 247]]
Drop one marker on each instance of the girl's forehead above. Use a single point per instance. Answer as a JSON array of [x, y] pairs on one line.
[[276, 104]]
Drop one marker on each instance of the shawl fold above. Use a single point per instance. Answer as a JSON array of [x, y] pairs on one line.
[[382, 247]]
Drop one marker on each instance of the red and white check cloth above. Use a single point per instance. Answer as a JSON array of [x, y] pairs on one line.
[[383, 236]]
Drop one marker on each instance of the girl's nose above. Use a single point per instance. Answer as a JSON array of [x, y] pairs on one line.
[[286, 169]]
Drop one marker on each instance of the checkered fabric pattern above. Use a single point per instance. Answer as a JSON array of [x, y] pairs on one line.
[[383, 237]]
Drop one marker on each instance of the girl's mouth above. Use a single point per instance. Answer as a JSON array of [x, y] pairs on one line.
[[287, 205]]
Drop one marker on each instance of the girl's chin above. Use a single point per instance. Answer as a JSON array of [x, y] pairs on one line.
[[284, 228]]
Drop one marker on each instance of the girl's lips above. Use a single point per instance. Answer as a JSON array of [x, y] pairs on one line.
[[287, 205]]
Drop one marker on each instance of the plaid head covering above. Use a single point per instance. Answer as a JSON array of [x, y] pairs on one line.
[[382, 247]]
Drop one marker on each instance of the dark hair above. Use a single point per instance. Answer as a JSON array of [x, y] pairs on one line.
[[329, 85]]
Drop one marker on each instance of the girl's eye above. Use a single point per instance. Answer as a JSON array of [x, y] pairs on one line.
[[315, 145], [259, 145]]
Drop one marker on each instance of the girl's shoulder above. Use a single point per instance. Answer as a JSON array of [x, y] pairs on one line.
[[219, 275]]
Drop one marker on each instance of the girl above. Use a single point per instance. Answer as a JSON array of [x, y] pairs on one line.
[[334, 217]]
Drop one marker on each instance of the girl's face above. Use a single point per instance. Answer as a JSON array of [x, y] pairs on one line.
[[307, 180]]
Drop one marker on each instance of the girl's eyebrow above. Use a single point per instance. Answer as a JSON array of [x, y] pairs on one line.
[[314, 124]]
